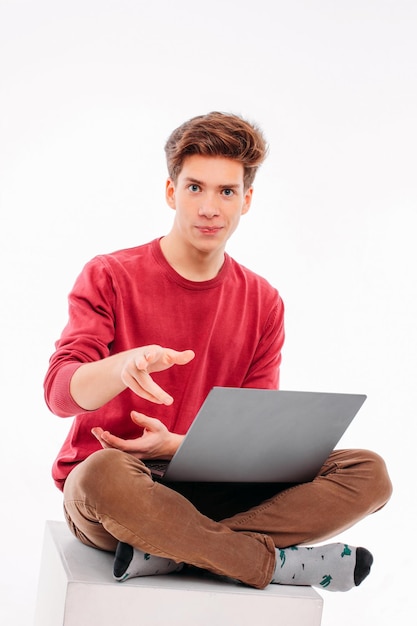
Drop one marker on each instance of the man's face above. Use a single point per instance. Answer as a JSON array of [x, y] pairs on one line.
[[208, 198]]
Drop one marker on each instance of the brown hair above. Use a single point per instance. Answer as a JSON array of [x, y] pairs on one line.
[[217, 134]]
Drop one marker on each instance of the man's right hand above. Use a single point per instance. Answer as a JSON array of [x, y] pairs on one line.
[[96, 383], [142, 362]]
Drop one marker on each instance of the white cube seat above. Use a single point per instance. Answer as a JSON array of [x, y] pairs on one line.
[[76, 588]]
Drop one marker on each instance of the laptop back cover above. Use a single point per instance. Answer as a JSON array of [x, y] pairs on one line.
[[259, 435]]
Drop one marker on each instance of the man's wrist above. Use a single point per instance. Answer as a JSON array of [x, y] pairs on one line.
[[175, 441]]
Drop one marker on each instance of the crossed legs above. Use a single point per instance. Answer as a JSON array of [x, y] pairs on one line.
[[110, 498]]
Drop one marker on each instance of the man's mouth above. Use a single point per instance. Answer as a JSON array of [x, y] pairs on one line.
[[209, 230]]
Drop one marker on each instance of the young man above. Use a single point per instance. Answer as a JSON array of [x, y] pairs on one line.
[[134, 398]]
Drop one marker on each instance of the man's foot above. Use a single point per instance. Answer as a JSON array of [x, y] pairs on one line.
[[129, 563], [335, 567]]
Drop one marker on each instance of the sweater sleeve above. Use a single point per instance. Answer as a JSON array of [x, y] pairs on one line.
[[87, 336], [264, 369]]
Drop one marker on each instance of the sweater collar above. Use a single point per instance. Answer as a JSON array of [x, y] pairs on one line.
[[185, 282]]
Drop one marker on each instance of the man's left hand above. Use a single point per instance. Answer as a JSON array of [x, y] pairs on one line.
[[156, 442]]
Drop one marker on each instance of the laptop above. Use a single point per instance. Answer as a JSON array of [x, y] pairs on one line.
[[260, 436]]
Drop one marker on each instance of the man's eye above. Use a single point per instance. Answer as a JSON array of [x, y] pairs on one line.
[[228, 192], [193, 187]]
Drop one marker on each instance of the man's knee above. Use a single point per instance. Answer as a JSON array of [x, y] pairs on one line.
[[363, 472], [104, 471], [380, 482]]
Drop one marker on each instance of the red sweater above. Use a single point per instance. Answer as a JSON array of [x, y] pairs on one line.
[[234, 324]]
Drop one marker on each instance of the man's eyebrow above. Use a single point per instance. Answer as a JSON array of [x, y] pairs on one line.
[[189, 179], [231, 186], [195, 181]]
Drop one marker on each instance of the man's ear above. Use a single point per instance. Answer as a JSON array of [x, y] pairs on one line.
[[170, 193], [247, 200]]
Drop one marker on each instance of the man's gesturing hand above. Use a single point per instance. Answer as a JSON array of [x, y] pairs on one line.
[[140, 363], [156, 442], [95, 383]]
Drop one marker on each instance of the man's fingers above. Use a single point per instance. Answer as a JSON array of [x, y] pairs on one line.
[[157, 358], [101, 436], [142, 385], [173, 357], [97, 432], [153, 358], [108, 440], [150, 423], [185, 357]]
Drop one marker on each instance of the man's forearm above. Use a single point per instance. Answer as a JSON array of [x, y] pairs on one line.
[[93, 384]]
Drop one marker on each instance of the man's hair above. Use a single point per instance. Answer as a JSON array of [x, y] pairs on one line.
[[217, 134]]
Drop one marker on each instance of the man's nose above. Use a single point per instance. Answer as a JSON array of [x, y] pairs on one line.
[[209, 206]]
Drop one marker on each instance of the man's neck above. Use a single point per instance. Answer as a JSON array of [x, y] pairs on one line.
[[191, 263]]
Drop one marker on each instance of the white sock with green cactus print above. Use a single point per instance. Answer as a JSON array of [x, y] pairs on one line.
[[334, 567], [130, 563]]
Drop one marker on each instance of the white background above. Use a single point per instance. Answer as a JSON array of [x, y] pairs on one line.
[[90, 90]]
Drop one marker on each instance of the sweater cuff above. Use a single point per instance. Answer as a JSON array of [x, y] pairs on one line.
[[59, 399]]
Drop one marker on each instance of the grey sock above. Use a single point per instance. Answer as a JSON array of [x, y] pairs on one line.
[[130, 563], [334, 567]]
